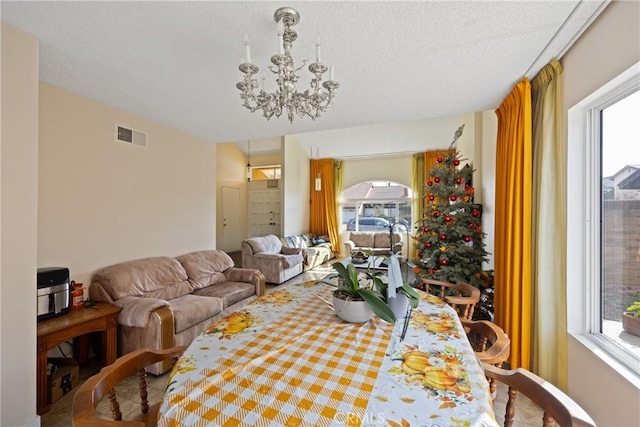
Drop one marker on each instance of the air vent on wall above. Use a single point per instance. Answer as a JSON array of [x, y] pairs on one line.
[[131, 136]]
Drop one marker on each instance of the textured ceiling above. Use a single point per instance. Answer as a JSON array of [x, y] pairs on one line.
[[177, 62]]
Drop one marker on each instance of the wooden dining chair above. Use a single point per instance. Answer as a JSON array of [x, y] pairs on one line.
[[91, 392], [555, 404], [491, 344], [461, 296]]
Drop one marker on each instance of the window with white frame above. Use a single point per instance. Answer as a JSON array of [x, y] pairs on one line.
[[376, 205], [604, 210]]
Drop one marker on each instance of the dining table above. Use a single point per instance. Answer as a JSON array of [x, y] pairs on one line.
[[288, 360]]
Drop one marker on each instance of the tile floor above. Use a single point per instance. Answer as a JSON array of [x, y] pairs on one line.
[[527, 414]]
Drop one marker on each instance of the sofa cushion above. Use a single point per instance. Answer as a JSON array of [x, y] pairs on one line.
[[229, 292], [270, 244], [157, 277], [189, 310], [303, 241], [318, 255], [205, 268], [362, 239], [381, 240]]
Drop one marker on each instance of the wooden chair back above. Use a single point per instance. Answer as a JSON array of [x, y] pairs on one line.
[[461, 296], [555, 404], [491, 344], [489, 341], [91, 392]]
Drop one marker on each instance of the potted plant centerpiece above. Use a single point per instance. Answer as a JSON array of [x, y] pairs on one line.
[[405, 296], [631, 319], [361, 295]]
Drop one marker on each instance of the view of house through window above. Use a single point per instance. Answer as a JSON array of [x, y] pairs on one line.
[[620, 218], [375, 205]]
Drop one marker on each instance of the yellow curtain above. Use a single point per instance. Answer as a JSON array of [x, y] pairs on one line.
[[323, 216], [512, 246], [337, 188], [549, 227], [418, 196]]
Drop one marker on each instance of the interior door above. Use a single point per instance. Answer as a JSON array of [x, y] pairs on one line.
[[230, 219]]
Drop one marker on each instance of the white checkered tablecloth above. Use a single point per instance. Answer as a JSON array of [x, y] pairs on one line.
[[288, 360]]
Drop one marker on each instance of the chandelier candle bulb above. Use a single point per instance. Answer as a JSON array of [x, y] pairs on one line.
[[318, 52], [331, 70], [247, 52]]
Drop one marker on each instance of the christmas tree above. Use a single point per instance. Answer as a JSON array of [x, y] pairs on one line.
[[449, 239]]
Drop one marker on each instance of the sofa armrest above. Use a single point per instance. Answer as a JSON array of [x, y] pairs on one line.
[[247, 275], [349, 246], [97, 292], [136, 310], [285, 261]]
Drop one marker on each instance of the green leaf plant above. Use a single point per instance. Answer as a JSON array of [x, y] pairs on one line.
[[634, 309], [376, 298]]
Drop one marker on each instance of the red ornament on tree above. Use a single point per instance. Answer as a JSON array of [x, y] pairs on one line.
[[447, 218], [435, 214], [431, 197], [444, 261], [456, 162], [472, 224], [425, 229], [429, 183], [475, 213], [443, 237], [436, 179], [420, 254], [453, 198], [428, 244], [458, 180], [439, 159], [467, 238]]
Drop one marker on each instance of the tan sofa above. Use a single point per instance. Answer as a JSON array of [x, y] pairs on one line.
[[280, 259], [374, 242], [316, 249], [167, 302]]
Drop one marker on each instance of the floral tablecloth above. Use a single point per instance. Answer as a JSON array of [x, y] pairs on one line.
[[288, 360]]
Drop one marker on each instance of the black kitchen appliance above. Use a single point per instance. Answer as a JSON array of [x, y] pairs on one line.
[[53, 292]]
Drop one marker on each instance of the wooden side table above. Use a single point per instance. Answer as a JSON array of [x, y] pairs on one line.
[[103, 318]]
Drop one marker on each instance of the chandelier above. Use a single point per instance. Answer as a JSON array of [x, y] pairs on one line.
[[312, 102]]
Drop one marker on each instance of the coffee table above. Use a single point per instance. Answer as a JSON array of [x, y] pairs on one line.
[[373, 262]]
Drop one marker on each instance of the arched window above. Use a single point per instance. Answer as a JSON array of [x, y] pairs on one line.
[[375, 205]]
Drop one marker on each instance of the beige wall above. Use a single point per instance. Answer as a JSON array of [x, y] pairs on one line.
[[101, 201], [231, 172], [18, 227], [488, 130], [296, 170], [606, 49], [392, 168]]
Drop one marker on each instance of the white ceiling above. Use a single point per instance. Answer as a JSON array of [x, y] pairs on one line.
[[177, 62]]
